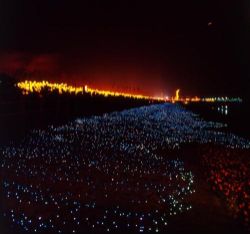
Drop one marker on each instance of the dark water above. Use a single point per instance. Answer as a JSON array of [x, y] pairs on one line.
[[235, 115]]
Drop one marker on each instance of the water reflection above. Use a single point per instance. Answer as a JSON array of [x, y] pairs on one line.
[[223, 109]]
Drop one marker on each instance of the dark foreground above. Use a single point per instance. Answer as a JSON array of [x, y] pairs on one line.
[[151, 169]]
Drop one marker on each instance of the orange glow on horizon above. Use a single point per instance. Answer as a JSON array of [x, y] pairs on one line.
[[37, 86]]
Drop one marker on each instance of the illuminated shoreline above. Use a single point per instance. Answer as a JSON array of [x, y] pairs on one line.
[[38, 86], [28, 87]]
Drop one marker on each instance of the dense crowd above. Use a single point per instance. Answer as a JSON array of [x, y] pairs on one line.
[[229, 173], [110, 172]]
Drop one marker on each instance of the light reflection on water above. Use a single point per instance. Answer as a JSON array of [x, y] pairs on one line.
[[223, 109]]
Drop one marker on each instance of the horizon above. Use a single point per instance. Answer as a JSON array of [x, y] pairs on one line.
[[153, 48]]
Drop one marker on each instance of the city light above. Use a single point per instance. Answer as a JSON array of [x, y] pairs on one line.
[[39, 86]]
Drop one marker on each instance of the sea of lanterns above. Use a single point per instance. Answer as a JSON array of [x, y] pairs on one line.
[[228, 171], [105, 173]]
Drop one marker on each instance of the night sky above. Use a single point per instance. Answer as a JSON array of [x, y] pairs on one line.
[[153, 47]]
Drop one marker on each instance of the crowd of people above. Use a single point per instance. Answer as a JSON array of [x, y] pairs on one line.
[[228, 172], [110, 172]]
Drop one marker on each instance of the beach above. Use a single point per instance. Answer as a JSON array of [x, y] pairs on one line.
[[146, 169]]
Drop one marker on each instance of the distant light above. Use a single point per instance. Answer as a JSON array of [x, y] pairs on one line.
[[177, 95], [86, 88], [38, 86]]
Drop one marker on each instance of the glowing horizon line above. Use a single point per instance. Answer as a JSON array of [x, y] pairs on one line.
[[37, 86]]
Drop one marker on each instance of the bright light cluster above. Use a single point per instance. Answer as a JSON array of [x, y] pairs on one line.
[[38, 86], [221, 99]]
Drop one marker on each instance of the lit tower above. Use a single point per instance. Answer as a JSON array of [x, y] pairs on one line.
[[177, 96]]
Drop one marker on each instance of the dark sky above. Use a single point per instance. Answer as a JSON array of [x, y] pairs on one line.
[[152, 47]]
